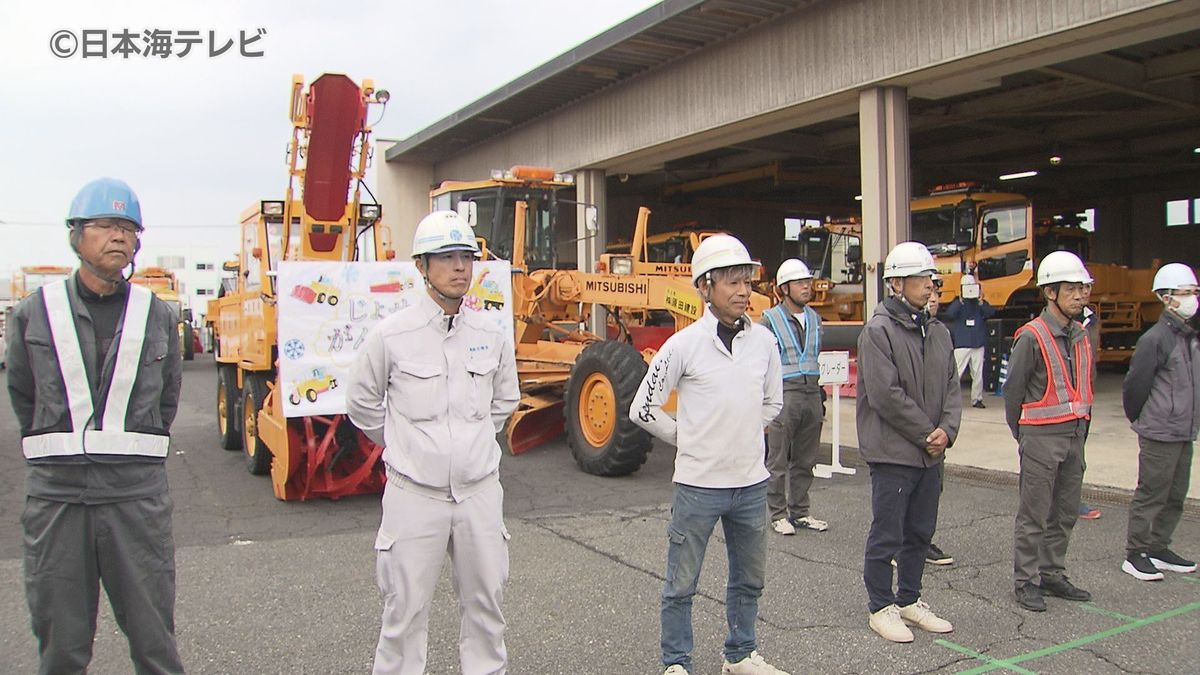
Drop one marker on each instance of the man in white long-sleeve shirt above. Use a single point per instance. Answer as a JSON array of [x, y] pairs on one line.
[[434, 385], [726, 371]]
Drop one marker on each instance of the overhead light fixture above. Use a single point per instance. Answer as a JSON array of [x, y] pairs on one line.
[[1196, 149], [858, 198], [1055, 160], [1019, 174]]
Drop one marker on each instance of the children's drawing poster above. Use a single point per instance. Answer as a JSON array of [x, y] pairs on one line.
[[325, 310]]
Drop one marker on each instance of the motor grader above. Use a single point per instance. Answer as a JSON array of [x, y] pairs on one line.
[[320, 218], [571, 379]]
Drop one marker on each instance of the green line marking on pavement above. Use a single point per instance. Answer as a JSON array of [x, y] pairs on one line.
[[1190, 578], [999, 663], [1107, 612], [1087, 639]]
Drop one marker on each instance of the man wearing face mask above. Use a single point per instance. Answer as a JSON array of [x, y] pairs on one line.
[[726, 371], [967, 319], [908, 414], [94, 376], [1162, 399], [795, 435], [434, 385], [1048, 404]]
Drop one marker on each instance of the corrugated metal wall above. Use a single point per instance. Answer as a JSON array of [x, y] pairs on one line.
[[805, 67]]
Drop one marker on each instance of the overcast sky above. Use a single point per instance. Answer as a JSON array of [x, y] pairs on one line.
[[200, 138]]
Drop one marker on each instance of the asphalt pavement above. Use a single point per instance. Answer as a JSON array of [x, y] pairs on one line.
[[273, 587]]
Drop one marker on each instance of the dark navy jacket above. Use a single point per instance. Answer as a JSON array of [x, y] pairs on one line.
[[967, 320]]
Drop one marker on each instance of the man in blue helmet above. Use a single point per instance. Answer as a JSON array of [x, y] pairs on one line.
[[94, 375]]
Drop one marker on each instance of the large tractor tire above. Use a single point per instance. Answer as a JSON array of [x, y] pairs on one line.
[[229, 397], [256, 453], [603, 382], [189, 342]]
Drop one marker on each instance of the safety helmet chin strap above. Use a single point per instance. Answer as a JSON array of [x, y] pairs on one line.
[[1057, 295], [429, 284]]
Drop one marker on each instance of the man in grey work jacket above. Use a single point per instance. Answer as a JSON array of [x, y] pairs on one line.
[[1048, 406], [94, 375], [908, 413], [795, 435], [434, 385], [1162, 399]]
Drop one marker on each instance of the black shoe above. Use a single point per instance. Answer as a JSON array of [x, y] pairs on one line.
[[1063, 588], [978, 404], [1030, 597], [1138, 566], [936, 556], [1167, 560]]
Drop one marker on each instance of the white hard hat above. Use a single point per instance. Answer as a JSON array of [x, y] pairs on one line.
[[792, 269], [970, 287], [717, 251], [909, 259], [1172, 277], [443, 231], [1062, 267]]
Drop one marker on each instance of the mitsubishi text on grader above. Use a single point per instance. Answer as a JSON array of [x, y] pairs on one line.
[[571, 379], [316, 455]]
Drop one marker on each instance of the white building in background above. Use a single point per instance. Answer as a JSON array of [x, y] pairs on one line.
[[199, 278]]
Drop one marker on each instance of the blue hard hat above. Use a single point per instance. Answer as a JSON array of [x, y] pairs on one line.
[[106, 198]]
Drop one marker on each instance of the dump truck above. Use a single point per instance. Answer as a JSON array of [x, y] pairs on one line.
[[321, 217], [571, 379], [164, 284]]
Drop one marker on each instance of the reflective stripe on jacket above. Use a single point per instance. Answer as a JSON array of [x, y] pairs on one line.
[[1063, 401], [85, 434], [794, 360]]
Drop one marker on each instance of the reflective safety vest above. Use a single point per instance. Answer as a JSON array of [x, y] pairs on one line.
[[1062, 402], [794, 359], [109, 437]]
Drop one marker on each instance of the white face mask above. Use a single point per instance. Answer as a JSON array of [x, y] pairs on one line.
[[1187, 305]]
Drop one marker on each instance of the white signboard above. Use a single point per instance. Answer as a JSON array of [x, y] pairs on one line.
[[835, 367], [326, 308]]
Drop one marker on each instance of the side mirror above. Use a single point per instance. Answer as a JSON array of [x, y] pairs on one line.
[[854, 254], [791, 229], [591, 218], [991, 226], [469, 211]]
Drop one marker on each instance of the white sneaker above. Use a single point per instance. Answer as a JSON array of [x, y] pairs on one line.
[[918, 614], [782, 526], [810, 523], [675, 669], [751, 665], [889, 625]]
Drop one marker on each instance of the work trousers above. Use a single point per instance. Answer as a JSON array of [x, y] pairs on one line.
[[1164, 473], [1051, 478], [973, 357], [417, 532], [793, 439], [904, 508], [70, 549], [694, 513]]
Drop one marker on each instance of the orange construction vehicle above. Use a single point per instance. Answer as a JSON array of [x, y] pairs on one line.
[[572, 379], [320, 218], [163, 283], [28, 279]]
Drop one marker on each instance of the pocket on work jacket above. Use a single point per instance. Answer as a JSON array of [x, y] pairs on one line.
[[419, 389], [483, 372]]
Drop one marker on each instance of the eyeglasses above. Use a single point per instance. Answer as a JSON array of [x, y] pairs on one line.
[[111, 225]]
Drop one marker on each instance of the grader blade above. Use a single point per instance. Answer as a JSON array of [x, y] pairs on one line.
[[539, 420]]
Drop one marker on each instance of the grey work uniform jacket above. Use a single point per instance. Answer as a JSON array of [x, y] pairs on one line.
[[39, 399], [907, 386], [1161, 392]]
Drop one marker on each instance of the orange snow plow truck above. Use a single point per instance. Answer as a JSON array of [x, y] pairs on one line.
[[313, 456]]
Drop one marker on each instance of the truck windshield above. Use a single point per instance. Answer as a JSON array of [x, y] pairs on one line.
[[934, 228]]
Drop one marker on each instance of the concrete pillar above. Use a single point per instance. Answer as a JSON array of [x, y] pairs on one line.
[[591, 190], [886, 185], [403, 190]]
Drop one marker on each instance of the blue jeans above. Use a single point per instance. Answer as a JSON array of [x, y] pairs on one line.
[[694, 514]]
